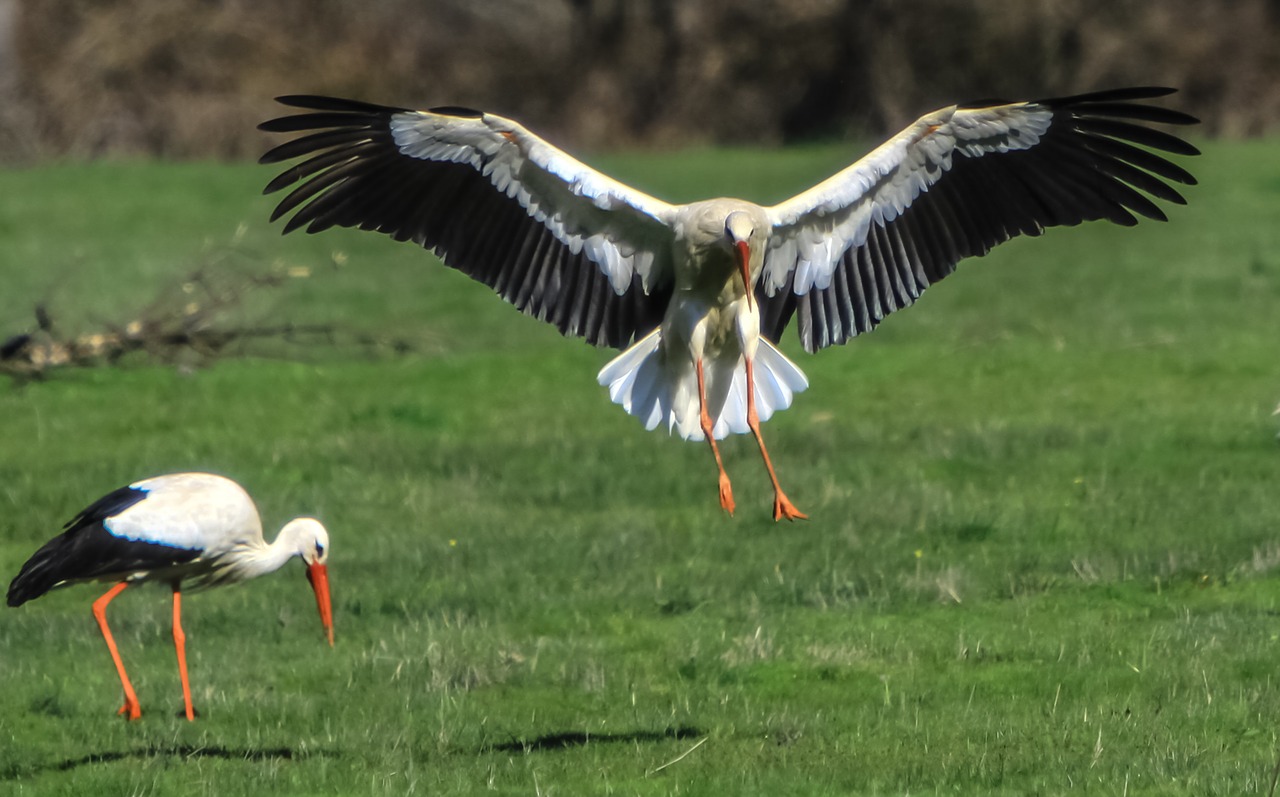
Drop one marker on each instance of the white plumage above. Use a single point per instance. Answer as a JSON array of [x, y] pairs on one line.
[[194, 511], [187, 530], [693, 297]]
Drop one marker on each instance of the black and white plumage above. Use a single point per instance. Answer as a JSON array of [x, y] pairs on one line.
[[189, 531], [696, 293]]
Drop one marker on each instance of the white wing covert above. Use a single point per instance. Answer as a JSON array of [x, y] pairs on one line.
[[191, 511], [958, 181], [559, 240]]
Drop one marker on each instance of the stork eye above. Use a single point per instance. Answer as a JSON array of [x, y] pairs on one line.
[[319, 549]]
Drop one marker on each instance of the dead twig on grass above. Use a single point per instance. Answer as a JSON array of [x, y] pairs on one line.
[[678, 758], [199, 318]]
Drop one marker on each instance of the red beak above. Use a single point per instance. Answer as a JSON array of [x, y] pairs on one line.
[[744, 263], [318, 575]]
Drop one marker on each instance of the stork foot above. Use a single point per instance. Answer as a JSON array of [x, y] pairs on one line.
[[783, 508], [130, 710], [726, 494]]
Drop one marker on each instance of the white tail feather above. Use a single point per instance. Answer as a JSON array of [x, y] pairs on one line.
[[655, 388]]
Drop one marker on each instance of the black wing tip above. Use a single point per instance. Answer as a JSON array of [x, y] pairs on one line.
[[39, 574], [331, 109], [27, 586], [1105, 95], [303, 100], [460, 111], [1141, 112], [270, 156], [325, 102], [36, 576], [1129, 98], [334, 110], [270, 126], [1125, 94]]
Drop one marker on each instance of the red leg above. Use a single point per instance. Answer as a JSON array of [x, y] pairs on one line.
[[180, 644], [782, 506], [130, 709], [726, 490]]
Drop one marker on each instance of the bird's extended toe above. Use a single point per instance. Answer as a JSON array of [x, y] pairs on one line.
[[783, 508], [726, 494]]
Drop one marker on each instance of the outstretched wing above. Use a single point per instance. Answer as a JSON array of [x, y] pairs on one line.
[[960, 180], [559, 240]]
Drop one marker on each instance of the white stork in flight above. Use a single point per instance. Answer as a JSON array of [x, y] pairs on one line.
[[696, 294], [187, 530]]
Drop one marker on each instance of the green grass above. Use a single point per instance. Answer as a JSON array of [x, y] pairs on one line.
[[1041, 559]]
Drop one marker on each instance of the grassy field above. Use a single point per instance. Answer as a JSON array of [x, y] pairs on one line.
[[1041, 561]]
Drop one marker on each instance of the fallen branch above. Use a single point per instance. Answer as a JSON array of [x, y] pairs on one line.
[[194, 321]]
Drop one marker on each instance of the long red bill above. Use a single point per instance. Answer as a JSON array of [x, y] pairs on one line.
[[744, 263], [318, 575]]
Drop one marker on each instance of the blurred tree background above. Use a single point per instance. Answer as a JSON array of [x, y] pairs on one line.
[[192, 78]]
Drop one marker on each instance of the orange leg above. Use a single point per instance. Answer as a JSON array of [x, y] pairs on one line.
[[782, 506], [131, 709], [180, 644], [726, 490]]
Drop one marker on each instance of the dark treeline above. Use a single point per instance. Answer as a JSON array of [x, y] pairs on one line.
[[191, 78]]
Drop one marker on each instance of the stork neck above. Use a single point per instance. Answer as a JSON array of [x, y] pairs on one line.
[[267, 558], [711, 273]]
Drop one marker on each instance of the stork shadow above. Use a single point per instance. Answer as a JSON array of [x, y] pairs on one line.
[[182, 751], [567, 739], [547, 742]]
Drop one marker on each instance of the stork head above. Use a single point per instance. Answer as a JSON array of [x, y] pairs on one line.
[[738, 229], [313, 546]]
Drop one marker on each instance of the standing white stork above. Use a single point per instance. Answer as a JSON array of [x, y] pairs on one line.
[[188, 530], [696, 293]]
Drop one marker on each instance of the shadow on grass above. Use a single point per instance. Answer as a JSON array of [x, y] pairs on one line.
[[560, 741], [551, 741], [184, 751]]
